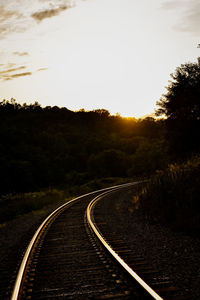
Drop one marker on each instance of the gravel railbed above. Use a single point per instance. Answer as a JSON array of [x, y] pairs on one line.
[[14, 239], [174, 254]]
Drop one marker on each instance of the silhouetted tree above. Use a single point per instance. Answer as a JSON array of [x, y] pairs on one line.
[[181, 106], [182, 100], [108, 163], [151, 155]]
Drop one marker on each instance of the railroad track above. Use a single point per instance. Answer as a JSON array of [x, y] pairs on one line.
[[73, 256]]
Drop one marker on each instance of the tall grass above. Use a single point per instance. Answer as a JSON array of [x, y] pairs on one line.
[[20, 204], [173, 196], [12, 206]]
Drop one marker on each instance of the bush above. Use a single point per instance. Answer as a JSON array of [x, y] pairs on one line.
[[172, 197], [13, 206], [150, 155], [108, 163]]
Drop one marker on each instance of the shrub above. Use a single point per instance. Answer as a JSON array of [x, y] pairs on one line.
[[172, 196], [20, 204]]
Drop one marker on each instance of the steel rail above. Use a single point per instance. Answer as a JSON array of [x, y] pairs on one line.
[[20, 275], [109, 248]]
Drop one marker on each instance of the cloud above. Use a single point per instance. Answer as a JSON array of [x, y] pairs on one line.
[[191, 19], [7, 14], [9, 20], [21, 53], [7, 77], [12, 70], [13, 73], [17, 16], [42, 69], [41, 15], [189, 12], [3, 30], [21, 74]]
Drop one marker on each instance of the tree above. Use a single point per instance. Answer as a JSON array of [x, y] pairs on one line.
[[108, 163], [150, 155], [182, 100], [181, 106]]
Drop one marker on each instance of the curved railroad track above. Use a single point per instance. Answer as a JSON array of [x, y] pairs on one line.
[[73, 256]]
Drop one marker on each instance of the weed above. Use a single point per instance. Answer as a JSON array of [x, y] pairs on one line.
[[172, 196]]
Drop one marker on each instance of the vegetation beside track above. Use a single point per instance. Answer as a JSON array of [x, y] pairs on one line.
[[172, 197], [13, 206]]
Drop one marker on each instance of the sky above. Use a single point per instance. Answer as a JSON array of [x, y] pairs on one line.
[[112, 54]]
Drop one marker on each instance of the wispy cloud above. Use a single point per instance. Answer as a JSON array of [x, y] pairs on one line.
[[9, 72], [189, 12], [8, 19], [18, 16], [42, 69], [41, 15], [12, 70], [3, 30], [7, 14], [21, 53], [7, 77], [12, 73], [191, 19], [21, 74]]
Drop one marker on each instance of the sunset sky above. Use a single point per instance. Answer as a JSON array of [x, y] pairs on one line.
[[111, 54]]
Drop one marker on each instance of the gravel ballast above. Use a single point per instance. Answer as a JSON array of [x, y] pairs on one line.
[[174, 254], [14, 239]]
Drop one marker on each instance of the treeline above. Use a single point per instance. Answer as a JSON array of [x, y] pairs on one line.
[[52, 146]]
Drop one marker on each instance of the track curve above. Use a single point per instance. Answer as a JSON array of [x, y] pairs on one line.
[[65, 260], [118, 258], [19, 291]]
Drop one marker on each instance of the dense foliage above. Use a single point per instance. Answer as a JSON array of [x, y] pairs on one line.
[[51, 146], [182, 100], [181, 106], [172, 197]]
